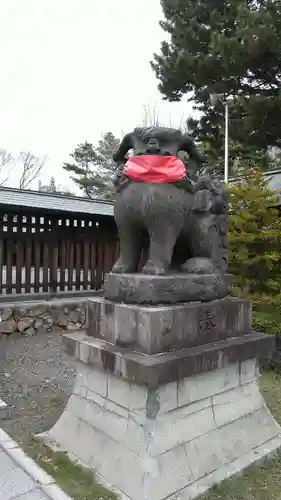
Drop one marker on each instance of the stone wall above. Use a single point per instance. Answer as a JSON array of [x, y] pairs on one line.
[[29, 318]]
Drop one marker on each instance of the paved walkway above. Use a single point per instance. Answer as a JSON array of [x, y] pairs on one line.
[[21, 478]]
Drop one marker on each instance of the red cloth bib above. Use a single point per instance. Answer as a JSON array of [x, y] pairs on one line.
[[154, 168]]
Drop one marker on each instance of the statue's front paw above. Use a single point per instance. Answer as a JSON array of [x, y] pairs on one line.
[[152, 268], [121, 267]]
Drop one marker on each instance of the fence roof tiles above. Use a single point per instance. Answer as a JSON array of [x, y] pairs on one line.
[[51, 201], [273, 177]]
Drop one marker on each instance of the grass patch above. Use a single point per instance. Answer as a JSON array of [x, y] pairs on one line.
[[77, 482], [258, 483]]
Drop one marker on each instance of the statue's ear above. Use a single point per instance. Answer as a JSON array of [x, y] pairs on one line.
[[125, 145]]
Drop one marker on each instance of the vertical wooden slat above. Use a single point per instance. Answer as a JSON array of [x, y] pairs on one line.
[[54, 254], [45, 250], [111, 248], [28, 241], [45, 267], [86, 261], [62, 255], [107, 252], [70, 265], [66, 260], [93, 258], [70, 260], [10, 252], [19, 265], [105, 266], [67, 251], [37, 254], [37, 266], [54, 268], [19, 252], [78, 266], [99, 259], [103, 256]]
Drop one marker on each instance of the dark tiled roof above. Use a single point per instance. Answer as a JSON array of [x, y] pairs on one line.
[[51, 201], [274, 179]]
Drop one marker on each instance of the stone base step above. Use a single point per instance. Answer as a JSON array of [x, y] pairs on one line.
[[165, 289]]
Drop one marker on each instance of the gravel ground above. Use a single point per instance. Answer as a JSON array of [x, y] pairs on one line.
[[36, 379]]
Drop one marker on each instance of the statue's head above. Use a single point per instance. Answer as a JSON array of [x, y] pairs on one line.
[[161, 134], [164, 141], [157, 140]]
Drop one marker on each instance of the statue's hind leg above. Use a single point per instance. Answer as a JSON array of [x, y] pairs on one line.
[[203, 244], [130, 249]]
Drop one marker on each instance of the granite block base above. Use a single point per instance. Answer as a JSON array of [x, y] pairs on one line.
[[174, 440], [166, 402]]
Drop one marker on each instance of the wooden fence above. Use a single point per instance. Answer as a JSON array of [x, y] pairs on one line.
[[40, 252]]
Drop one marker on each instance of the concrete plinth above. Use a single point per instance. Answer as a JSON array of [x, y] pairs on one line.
[[175, 440]]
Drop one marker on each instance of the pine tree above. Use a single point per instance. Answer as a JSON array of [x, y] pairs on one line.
[[225, 47], [254, 236], [93, 167], [238, 154], [53, 187]]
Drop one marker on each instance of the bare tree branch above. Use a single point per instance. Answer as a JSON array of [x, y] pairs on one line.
[[6, 159], [150, 116], [52, 187], [31, 168]]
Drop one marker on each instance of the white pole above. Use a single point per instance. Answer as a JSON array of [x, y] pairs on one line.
[[226, 120]]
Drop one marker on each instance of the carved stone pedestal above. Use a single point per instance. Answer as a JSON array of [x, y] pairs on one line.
[[165, 289], [155, 329], [166, 401]]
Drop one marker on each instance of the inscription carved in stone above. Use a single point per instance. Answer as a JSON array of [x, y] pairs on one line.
[[207, 320]]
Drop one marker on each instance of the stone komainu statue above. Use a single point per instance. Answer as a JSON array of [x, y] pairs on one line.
[[186, 223]]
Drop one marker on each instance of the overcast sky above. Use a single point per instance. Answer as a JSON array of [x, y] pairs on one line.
[[73, 69]]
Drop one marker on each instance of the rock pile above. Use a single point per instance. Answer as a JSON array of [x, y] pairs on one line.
[[27, 319]]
